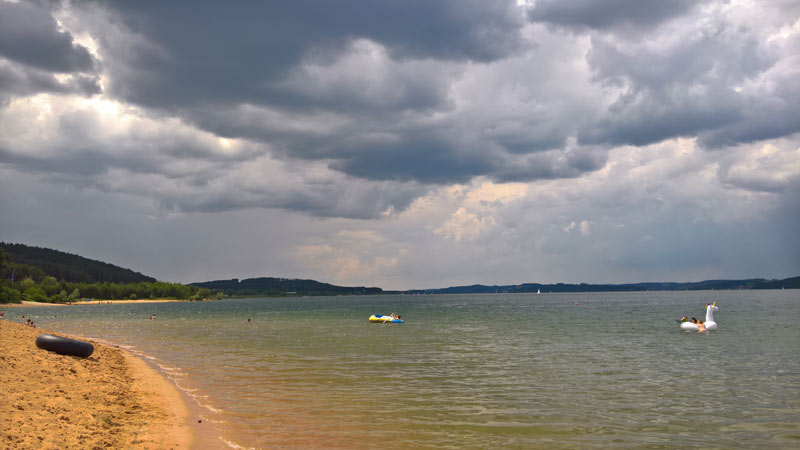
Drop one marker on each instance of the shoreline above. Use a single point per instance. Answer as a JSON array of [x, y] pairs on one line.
[[26, 304], [112, 398], [204, 431]]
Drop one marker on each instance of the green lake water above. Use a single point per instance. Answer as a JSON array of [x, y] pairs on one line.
[[473, 371]]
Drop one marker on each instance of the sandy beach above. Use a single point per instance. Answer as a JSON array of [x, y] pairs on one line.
[[27, 304], [108, 400]]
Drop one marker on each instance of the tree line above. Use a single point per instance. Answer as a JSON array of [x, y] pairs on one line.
[[24, 282]]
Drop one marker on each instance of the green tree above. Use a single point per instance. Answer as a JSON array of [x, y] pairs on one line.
[[4, 266], [50, 286], [9, 295], [35, 294], [25, 284]]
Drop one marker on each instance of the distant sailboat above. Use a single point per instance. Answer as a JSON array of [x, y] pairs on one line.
[[538, 291]]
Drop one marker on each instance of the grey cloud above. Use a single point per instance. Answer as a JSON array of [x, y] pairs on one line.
[[457, 157], [355, 110], [569, 163], [84, 150], [695, 86], [180, 171], [756, 183], [364, 78], [721, 54], [210, 54], [607, 14], [354, 84], [664, 114], [766, 118], [415, 99], [342, 198], [19, 80], [74, 166], [427, 159], [30, 35], [665, 215], [770, 167], [399, 148], [215, 188], [770, 112], [524, 142], [734, 247], [36, 56]]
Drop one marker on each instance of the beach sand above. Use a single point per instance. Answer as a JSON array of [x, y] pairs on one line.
[[108, 400], [27, 304], [100, 302]]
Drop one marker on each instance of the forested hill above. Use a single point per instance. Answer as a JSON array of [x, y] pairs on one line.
[[35, 262], [753, 283], [281, 287]]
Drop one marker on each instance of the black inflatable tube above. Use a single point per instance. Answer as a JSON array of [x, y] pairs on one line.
[[64, 346]]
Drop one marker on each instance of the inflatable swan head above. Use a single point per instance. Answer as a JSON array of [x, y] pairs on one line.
[[711, 324]]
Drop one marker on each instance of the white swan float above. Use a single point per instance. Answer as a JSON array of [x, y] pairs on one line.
[[710, 323]]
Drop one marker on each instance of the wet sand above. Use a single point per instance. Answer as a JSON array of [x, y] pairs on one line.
[[108, 400]]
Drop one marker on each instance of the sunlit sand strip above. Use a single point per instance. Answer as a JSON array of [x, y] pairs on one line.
[[110, 399], [197, 411]]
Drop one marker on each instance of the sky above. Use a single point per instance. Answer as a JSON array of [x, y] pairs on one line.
[[406, 144]]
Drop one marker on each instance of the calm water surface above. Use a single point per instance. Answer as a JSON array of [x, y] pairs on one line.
[[474, 371]]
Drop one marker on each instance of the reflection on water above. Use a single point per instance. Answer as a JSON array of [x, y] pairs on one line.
[[477, 371]]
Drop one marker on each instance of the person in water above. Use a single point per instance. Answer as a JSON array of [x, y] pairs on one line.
[[700, 325]]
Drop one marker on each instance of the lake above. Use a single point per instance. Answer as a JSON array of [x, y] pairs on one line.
[[473, 371]]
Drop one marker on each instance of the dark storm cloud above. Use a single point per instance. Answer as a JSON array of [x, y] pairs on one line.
[[606, 14], [427, 159], [207, 53], [323, 81], [30, 35], [33, 50]]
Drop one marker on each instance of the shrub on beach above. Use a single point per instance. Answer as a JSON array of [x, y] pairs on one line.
[[9, 295]]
